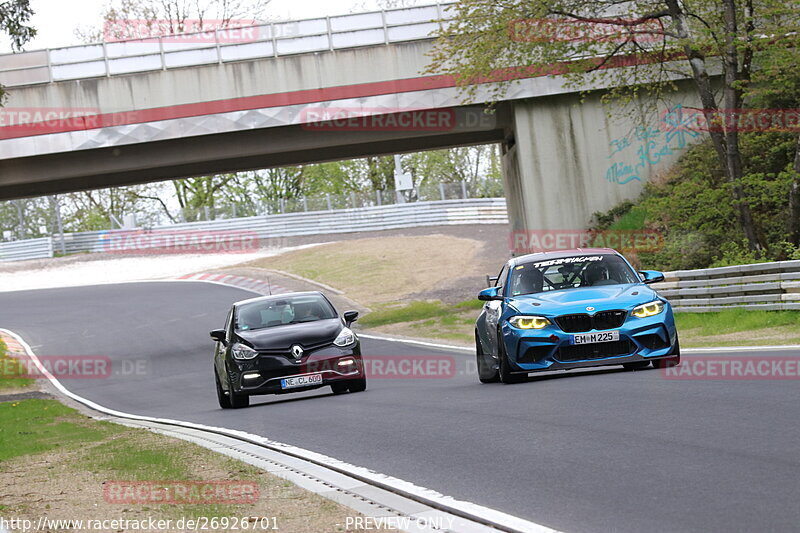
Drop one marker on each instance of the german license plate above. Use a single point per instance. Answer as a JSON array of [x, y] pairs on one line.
[[301, 381], [599, 336]]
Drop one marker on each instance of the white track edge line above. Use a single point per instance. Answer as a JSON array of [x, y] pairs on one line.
[[784, 347], [485, 514], [778, 348], [416, 342]]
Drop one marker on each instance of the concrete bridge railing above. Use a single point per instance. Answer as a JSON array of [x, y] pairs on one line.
[[220, 45]]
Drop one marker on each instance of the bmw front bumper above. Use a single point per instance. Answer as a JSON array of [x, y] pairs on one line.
[[550, 348]]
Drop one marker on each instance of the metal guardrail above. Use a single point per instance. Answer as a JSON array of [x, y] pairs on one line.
[[394, 216], [27, 249], [766, 286], [263, 40]]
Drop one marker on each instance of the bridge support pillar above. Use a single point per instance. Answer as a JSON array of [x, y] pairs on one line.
[[564, 160]]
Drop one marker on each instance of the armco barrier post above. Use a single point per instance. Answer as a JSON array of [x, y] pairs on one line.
[[60, 224]]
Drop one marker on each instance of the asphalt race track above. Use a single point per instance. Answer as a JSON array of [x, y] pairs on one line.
[[598, 450]]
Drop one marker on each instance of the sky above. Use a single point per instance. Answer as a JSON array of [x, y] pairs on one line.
[[56, 20]]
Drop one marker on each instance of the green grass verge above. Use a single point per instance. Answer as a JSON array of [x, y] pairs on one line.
[[65, 459], [10, 368], [111, 452], [736, 320], [415, 311], [34, 426]]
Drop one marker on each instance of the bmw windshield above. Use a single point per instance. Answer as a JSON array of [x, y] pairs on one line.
[[278, 312], [570, 273]]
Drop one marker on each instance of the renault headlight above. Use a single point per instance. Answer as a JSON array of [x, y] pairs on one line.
[[528, 322], [345, 338], [649, 309], [242, 351]]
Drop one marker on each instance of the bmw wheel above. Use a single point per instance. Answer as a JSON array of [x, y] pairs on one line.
[[486, 371]]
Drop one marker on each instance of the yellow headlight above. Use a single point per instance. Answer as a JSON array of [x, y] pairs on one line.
[[529, 322], [649, 309]]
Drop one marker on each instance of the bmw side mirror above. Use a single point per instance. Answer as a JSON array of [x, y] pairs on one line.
[[218, 335], [492, 293], [651, 276], [350, 317]]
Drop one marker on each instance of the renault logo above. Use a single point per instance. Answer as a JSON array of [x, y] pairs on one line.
[[590, 309], [297, 351]]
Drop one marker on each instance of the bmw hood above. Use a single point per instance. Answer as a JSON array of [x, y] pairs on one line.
[[576, 300], [309, 335]]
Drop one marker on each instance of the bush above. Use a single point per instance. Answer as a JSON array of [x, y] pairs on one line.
[[692, 207]]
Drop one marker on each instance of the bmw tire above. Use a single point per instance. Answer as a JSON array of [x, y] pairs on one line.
[[486, 371]]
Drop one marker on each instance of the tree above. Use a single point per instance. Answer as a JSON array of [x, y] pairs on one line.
[[168, 17], [105, 208], [172, 17], [656, 41], [196, 194], [776, 84], [249, 191], [478, 166], [14, 15]]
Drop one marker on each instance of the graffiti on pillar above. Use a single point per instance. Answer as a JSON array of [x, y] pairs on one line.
[[648, 146]]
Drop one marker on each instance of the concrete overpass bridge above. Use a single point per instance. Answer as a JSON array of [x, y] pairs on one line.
[[128, 112]]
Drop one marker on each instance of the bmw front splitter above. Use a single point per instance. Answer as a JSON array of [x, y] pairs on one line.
[[591, 363]]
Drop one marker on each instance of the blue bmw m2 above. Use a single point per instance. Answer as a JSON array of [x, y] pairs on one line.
[[572, 309]]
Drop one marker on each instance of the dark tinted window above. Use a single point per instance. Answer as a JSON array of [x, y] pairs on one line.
[[569, 273], [278, 312]]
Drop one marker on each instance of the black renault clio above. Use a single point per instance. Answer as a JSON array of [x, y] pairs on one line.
[[285, 343]]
